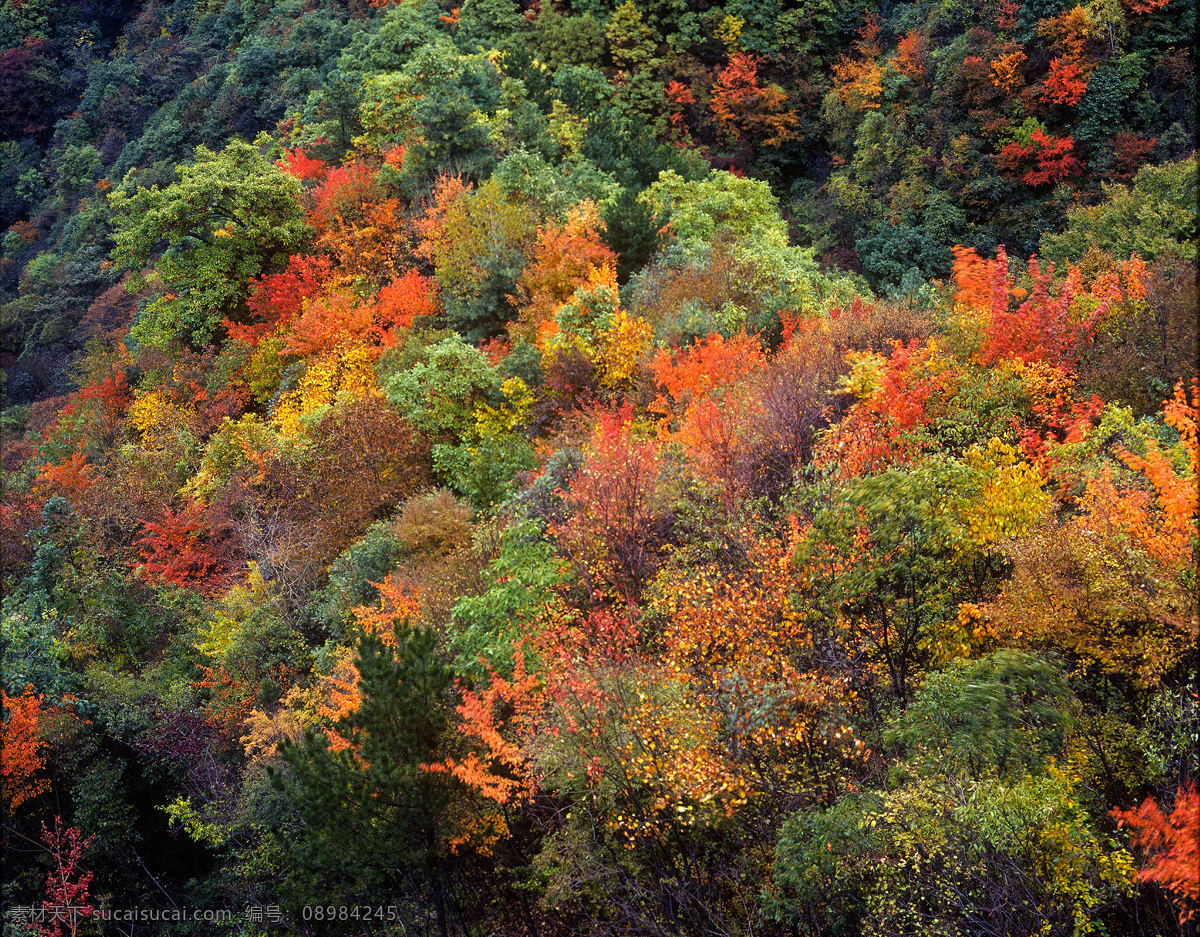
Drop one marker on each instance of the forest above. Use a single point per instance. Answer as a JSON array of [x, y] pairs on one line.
[[668, 468]]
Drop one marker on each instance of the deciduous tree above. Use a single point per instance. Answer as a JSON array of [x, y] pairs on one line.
[[231, 217], [1173, 844], [24, 750]]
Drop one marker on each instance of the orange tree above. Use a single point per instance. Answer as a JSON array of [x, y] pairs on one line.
[[1114, 585]]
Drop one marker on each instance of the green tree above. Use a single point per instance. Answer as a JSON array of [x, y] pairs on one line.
[[979, 832], [487, 24], [891, 251], [479, 247], [440, 392], [910, 561], [633, 230], [370, 816], [632, 45], [231, 216], [722, 204], [521, 580], [950, 855], [403, 31], [1157, 212], [567, 40], [1006, 713], [1100, 115]]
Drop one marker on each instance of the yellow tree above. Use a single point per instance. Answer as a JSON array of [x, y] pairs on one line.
[[1112, 586], [592, 323]]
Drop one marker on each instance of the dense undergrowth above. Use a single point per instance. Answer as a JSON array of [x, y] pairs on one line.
[[638, 470]]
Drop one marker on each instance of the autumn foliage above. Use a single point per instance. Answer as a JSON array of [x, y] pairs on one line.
[[1045, 159], [563, 258], [187, 548], [67, 902], [567, 475], [277, 299], [1161, 521], [1047, 326], [1172, 844], [745, 109], [24, 750], [611, 533], [1064, 84]]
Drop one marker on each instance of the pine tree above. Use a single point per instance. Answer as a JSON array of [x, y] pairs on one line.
[[370, 815]]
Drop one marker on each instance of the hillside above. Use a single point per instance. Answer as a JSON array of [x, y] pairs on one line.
[[625, 469]]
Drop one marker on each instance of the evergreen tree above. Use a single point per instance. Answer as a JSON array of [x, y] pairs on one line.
[[369, 814]]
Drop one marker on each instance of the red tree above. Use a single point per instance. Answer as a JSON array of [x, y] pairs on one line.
[[1043, 327], [401, 303], [299, 164], [912, 55], [610, 535], [1130, 153], [1174, 842], [344, 192], [23, 755], [188, 549], [277, 299], [67, 903], [1046, 159], [112, 397], [1065, 84], [744, 108]]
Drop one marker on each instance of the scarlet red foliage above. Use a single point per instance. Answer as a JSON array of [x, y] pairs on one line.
[[708, 365], [401, 303], [328, 322], [743, 108], [1043, 327], [277, 299], [503, 774], [496, 349], [1063, 420], [1065, 84], [912, 58], [71, 478], [23, 755], [1053, 157], [981, 284], [1006, 15], [344, 191], [112, 396], [297, 163], [1174, 844], [902, 395], [914, 382], [339, 319], [1166, 529], [188, 548], [1130, 153], [610, 535], [67, 903], [679, 95]]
